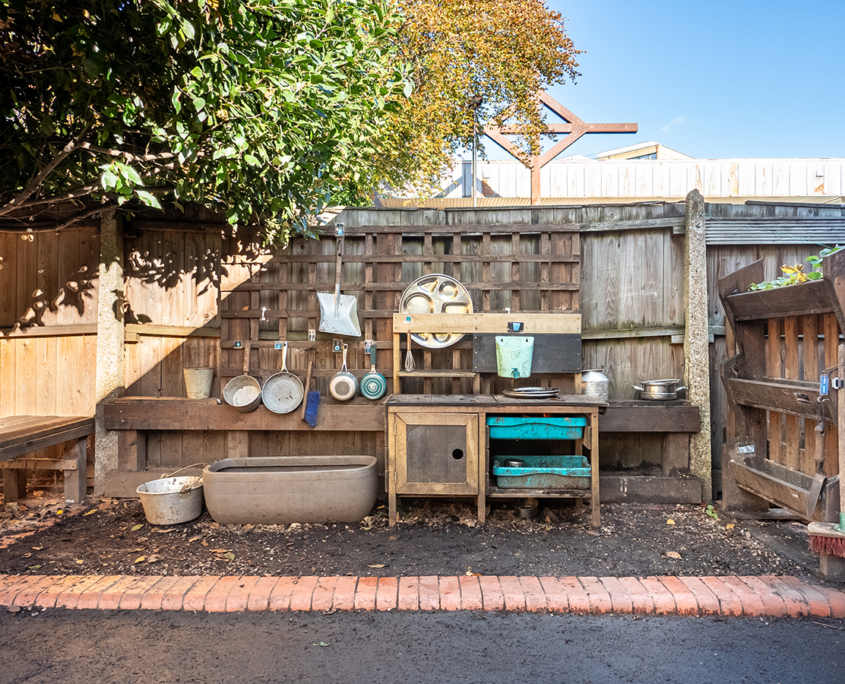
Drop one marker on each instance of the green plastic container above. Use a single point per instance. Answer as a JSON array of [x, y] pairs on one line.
[[514, 356], [544, 472], [539, 427]]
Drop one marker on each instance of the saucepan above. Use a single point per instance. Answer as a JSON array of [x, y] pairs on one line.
[[659, 390]]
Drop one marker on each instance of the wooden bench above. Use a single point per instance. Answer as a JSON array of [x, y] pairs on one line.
[[22, 435]]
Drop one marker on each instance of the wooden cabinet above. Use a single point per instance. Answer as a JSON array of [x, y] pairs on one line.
[[434, 452]]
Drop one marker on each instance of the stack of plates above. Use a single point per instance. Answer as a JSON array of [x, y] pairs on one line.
[[532, 393]]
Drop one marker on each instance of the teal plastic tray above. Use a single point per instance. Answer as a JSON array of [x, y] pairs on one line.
[[544, 472], [539, 427]]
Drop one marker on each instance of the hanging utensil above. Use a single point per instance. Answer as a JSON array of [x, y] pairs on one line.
[[339, 313], [343, 384], [373, 384], [243, 392], [282, 392], [409, 357]]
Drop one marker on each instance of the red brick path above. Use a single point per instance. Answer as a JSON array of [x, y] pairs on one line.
[[728, 596]]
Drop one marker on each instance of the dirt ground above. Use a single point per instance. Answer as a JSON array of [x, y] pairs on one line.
[[113, 537]]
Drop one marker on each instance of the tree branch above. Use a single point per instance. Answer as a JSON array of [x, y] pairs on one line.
[[128, 156], [54, 226], [36, 182]]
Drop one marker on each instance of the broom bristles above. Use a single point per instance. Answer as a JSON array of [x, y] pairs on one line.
[[831, 546]]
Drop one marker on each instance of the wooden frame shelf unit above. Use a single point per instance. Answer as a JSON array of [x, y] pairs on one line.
[[491, 323], [472, 411], [785, 338]]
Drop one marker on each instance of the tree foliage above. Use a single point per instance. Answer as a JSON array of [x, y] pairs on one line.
[[260, 108], [503, 50]]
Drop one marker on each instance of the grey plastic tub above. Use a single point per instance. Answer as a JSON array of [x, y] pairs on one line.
[[280, 490]]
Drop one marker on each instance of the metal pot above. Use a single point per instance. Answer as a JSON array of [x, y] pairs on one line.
[[594, 383], [659, 390]]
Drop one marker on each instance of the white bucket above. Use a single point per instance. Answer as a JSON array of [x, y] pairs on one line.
[[198, 382], [166, 504]]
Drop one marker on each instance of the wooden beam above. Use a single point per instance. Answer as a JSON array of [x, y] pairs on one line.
[[486, 323], [147, 413], [655, 418]]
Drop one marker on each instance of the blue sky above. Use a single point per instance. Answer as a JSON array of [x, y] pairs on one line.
[[713, 79]]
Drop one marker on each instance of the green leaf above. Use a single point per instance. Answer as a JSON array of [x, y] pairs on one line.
[[108, 180], [135, 528], [814, 275], [188, 29], [132, 174], [175, 100], [252, 160], [148, 199]]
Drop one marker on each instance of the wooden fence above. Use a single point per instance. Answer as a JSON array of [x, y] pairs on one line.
[[192, 288]]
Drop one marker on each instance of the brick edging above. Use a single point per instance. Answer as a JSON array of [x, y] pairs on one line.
[[733, 596]]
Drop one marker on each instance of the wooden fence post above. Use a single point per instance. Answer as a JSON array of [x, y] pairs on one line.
[[110, 334], [696, 344]]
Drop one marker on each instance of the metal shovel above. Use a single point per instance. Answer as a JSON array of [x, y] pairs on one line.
[[339, 313]]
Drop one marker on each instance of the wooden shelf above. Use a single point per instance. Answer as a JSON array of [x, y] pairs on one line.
[[550, 493], [437, 374], [794, 397], [795, 300]]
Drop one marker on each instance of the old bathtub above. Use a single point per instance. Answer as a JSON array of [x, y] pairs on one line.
[[279, 490]]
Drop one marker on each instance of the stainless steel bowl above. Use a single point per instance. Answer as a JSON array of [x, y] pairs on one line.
[[435, 293]]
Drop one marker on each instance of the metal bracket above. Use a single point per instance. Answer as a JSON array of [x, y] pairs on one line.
[[312, 335], [337, 345], [516, 327], [837, 383], [277, 346], [237, 344]]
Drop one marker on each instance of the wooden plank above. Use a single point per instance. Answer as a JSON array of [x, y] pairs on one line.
[[52, 331], [28, 446], [792, 428], [650, 419], [810, 330], [796, 397], [436, 374], [796, 300], [131, 450], [831, 359], [205, 414], [456, 258], [774, 369], [486, 323], [552, 353], [396, 286]]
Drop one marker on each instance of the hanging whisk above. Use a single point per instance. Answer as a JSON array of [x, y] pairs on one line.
[[409, 357]]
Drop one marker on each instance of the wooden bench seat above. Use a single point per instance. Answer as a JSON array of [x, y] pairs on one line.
[[22, 435]]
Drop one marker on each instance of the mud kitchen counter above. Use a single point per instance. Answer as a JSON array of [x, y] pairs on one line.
[[441, 446]]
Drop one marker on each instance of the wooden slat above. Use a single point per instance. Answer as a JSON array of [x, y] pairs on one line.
[[144, 413], [558, 323], [831, 359], [650, 419], [791, 422], [810, 331], [807, 298], [779, 396]]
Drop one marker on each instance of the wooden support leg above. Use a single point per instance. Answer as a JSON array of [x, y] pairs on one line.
[[595, 503], [76, 486], [132, 451], [14, 485], [391, 506]]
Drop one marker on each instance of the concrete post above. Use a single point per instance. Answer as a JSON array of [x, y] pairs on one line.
[[696, 342], [110, 335]]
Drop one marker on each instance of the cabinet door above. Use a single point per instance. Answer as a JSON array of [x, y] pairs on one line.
[[436, 453]]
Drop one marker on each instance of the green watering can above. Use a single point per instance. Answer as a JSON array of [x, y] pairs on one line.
[[514, 356]]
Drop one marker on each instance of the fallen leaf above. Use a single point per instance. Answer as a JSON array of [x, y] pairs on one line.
[[169, 529], [230, 556], [219, 550], [366, 529], [193, 539], [140, 559], [321, 643], [329, 612], [153, 559], [729, 526], [32, 567], [59, 512], [91, 512], [27, 555], [674, 554], [79, 561], [377, 565], [670, 522], [135, 528], [37, 548]]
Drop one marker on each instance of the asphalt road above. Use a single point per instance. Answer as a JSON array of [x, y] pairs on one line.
[[384, 648]]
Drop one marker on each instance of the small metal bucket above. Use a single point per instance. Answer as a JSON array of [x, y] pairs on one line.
[[171, 500], [514, 356]]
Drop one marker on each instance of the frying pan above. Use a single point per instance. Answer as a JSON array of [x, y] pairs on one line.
[[243, 382], [343, 384], [373, 384], [282, 392]]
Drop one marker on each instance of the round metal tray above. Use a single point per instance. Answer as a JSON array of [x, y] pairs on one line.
[[435, 293], [534, 393]]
